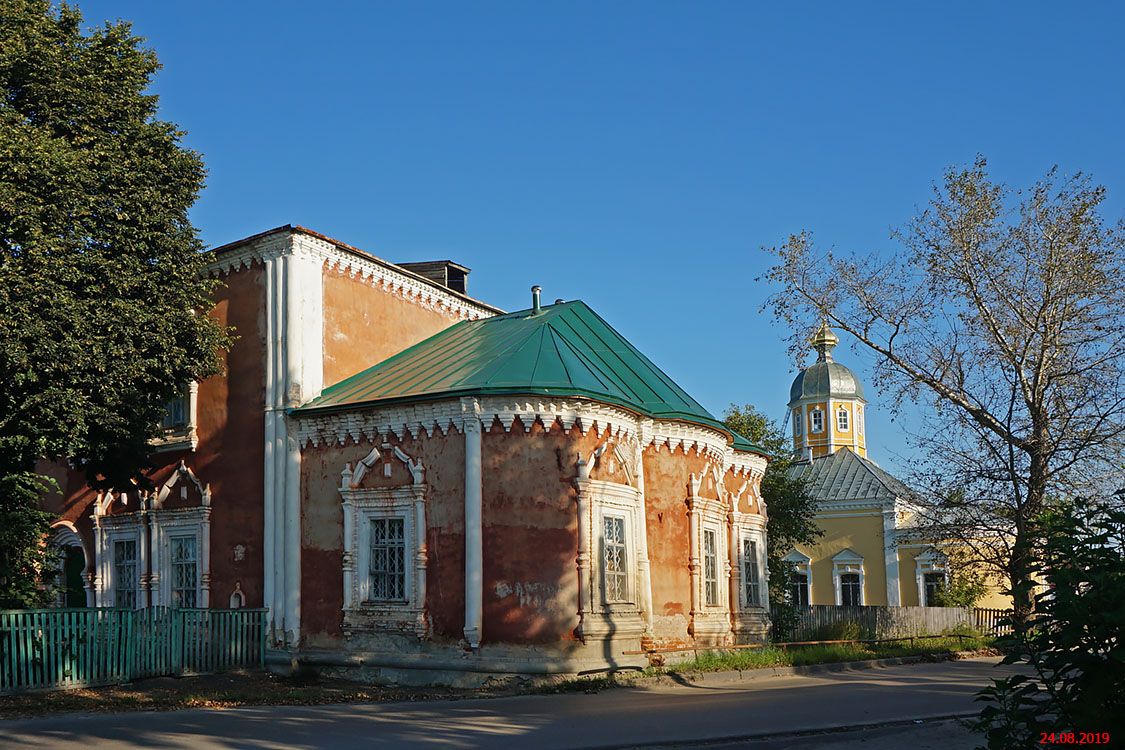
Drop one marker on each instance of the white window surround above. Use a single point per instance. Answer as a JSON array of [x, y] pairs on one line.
[[842, 420], [930, 561], [616, 505], [182, 437], [152, 526], [816, 419], [798, 423], [712, 572], [758, 541], [802, 563], [628, 586], [859, 419], [848, 561], [361, 506]]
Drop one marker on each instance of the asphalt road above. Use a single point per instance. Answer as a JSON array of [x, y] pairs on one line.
[[720, 708]]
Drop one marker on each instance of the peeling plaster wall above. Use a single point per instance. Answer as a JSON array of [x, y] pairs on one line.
[[530, 533], [669, 540]]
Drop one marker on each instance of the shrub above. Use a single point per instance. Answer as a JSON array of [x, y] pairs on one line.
[[1072, 645]]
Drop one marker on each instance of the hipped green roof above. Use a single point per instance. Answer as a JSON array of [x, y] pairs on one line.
[[564, 350]]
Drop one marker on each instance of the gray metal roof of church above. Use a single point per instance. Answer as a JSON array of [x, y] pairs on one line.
[[847, 476]]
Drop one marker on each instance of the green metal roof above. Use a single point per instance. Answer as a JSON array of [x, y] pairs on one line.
[[564, 350]]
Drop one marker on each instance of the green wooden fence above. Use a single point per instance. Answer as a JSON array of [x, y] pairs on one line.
[[44, 649]]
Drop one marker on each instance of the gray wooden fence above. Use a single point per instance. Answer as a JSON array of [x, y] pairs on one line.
[[64, 648], [829, 622], [992, 621]]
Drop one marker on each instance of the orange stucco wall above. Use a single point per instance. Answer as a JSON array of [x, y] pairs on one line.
[[669, 539], [365, 324]]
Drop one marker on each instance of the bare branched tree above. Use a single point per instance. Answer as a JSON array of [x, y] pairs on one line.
[[1005, 311]]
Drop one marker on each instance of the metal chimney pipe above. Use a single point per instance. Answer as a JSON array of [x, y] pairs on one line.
[[536, 308]]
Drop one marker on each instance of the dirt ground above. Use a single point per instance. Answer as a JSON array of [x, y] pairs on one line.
[[215, 691]]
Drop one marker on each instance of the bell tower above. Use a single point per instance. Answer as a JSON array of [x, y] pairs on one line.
[[826, 404]]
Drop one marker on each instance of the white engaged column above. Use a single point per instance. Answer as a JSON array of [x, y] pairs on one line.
[[474, 551]]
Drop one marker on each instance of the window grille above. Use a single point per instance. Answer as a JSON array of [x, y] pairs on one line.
[[817, 420], [710, 568], [185, 572], [388, 559], [614, 562], [842, 420], [750, 576], [125, 574]]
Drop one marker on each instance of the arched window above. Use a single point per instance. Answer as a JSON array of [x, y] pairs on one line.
[[842, 420]]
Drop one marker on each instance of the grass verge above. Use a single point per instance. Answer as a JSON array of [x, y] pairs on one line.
[[832, 653]]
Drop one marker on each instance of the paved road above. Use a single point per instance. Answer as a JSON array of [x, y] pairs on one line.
[[670, 715]]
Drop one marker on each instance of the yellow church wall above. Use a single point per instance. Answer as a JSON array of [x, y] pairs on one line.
[[908, 581], [862, 534]]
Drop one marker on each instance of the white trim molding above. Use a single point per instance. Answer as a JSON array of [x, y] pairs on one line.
[[65, 534], [929, 561], [803, 564], [846, 562], [361, 508]]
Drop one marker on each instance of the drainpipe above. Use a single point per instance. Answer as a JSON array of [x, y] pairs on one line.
[[474, 554]]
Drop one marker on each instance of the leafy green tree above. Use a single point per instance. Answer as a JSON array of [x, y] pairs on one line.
[[789, 506], [1072, 649], [965, 589], [102, 296], [1005, 310]]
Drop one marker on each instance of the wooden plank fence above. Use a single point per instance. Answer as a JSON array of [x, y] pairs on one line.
[[993, 621], [50, 649], [827, 621]]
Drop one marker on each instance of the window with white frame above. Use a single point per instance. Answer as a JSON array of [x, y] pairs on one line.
[[933, 584], [710, 568], [387, 560], [847, 572], [798, 424], [185, 571], [751, 577], [859, 418], [800, 590], [817, 418], [125, 573], [842, 420], [615, 561]]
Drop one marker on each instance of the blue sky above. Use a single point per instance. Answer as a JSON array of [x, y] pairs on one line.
[[634, 155]]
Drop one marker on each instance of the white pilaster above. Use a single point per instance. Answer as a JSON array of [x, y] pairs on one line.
[[294, 375], [474, 550], [645, 570], [890, 557]]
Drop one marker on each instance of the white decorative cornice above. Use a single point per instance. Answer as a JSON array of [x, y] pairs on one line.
[[368, 269], [375, 423]]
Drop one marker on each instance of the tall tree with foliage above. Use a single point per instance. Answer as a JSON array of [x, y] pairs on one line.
[[1004, 310], [102, 297], [789, 506], [1072, 684]]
